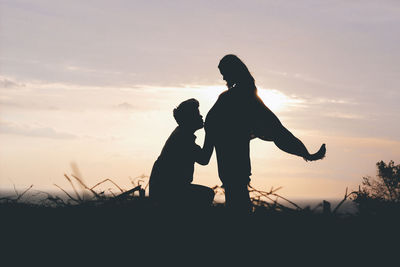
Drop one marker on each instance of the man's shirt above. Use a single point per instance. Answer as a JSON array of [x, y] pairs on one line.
[[175, 165]]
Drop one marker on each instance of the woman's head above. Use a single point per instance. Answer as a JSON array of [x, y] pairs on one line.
[[234, 71]]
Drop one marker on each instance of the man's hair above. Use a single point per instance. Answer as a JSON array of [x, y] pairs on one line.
[[184, 111]]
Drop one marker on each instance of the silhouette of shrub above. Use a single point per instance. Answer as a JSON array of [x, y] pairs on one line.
[[380, 194]]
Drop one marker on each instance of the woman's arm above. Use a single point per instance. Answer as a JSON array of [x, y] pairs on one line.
[[269, 128], [289, 143], [203, 155]]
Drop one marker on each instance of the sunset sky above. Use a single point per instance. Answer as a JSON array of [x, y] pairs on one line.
[[95, 82]]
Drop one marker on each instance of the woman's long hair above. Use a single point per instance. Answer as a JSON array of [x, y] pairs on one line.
[[236, 73]]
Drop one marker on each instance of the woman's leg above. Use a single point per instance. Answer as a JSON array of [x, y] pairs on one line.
[[237, 198]]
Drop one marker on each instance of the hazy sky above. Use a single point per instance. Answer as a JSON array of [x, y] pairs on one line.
[[95, 82]]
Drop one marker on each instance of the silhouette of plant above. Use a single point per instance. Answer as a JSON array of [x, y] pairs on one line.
[[85, 196], [381, 193]]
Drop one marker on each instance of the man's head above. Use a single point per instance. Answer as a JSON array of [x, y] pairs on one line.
[[187, 115]]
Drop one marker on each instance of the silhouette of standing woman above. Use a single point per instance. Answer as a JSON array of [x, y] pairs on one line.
[[238, 116]]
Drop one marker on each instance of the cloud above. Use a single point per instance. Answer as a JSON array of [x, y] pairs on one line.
[[80, 69], [335, 101], [124, 106], [8, 104], [309, 79], [7, 127], [26, 105], [341, 115], [8, 83]]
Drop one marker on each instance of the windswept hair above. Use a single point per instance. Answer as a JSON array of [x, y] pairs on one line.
[[237, 72], [184, 111]]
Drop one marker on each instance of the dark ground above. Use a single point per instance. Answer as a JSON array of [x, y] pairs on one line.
[[137, 231]]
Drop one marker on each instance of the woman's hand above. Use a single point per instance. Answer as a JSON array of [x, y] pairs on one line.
[[319, 155]]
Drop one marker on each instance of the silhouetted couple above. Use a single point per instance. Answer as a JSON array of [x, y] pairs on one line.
[[238, 116]]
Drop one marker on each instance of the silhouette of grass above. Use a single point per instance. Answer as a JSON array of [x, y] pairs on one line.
[[84, 196], [262, 201]]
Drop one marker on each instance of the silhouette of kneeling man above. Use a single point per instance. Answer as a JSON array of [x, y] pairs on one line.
[[172, 174]]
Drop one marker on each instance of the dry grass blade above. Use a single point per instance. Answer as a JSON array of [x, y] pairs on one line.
[[73, 187], [343, 200], [23, 193], [291, 202], [15, 190], [274, 190], [84, 186], [272, 193], [105, 180], [78, 201], [112, 193]]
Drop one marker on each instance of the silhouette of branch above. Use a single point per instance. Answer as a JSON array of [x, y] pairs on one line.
[[126, 193]]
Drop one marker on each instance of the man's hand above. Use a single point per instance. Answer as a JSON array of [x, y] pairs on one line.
[[319, 155]]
